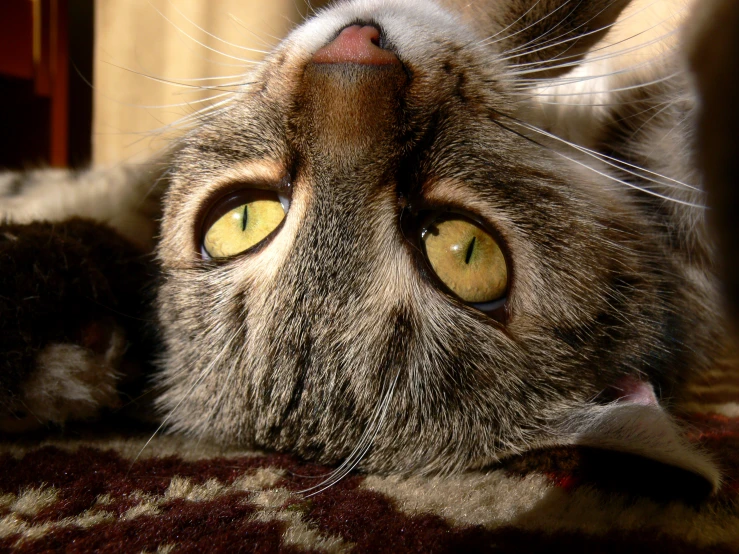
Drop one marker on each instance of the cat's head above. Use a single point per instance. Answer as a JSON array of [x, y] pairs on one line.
[[365, 257]]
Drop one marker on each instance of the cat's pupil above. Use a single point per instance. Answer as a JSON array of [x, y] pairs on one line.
[[244, 218], [470, 250]]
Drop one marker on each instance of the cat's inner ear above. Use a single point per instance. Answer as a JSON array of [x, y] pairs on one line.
[[548, 35], [635, 423]]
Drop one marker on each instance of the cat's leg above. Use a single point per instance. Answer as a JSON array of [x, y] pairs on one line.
[[126, 198]]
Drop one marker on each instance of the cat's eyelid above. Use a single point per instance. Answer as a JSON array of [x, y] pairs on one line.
[[281, 187], [269, 175], [453, 196], [263, 170], [429, 213]]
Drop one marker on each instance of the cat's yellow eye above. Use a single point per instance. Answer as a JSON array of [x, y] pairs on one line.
[[243, 221], [467, 259]]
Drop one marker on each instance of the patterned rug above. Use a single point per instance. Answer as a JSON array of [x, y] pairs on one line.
[[92, 490]]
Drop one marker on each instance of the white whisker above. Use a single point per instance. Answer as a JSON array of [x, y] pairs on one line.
[[360, 450], [593, 59], [538, 21], [171, 82], [488, 41], [616, 163], [521, 49], [243, 25], [196, 41], [203, 375], [600, 29], [219, 39], [609, 91]]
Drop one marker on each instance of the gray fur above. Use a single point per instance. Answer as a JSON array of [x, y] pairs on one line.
[[334, 342]]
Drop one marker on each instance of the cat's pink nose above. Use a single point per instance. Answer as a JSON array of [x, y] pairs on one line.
[[356, 44]]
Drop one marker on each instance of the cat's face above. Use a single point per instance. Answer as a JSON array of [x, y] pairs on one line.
[[341, 332]]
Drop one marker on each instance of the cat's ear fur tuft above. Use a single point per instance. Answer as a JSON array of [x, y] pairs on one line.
[[636, 424]]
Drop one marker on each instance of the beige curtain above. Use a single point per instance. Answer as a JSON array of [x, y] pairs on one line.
[[149, 53]]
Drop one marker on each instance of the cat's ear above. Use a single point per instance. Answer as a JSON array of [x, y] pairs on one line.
[[552, 34], [637, 425]]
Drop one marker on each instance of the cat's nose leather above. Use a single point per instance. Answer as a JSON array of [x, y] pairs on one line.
[[358, 44]]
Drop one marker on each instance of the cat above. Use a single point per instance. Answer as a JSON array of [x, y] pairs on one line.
[[427, 236]]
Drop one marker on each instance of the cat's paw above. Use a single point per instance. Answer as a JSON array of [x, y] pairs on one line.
[[73, 309], [69, 382]]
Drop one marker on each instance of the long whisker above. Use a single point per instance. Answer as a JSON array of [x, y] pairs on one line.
[[196, 41], [219, 39], [240, 23], [613, 162], [619, 89], [360, 456], [311, 9], [214, 78], [489, 40], [590, 58], [548, 44], [594, 59], [540, 20], [360, 450], [526, 84], [173, 82], [183, 122], [662, 107], [177, 105], [536, 42], [603, 157]]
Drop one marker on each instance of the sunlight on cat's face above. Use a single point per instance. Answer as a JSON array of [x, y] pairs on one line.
[[364, 262]]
